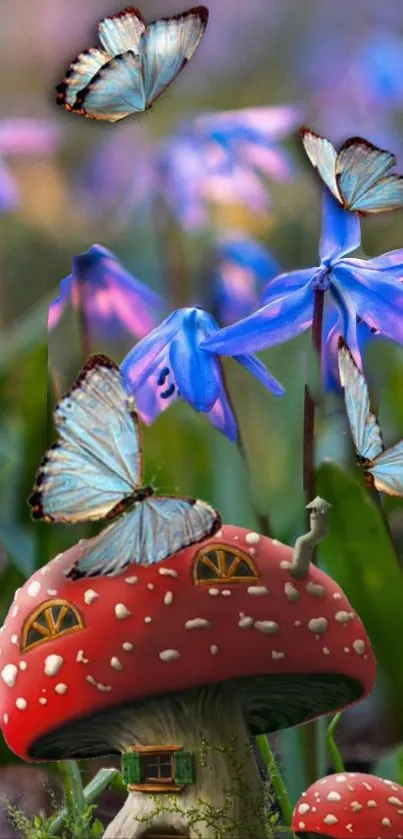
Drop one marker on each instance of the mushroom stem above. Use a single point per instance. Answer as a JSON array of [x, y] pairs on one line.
[[228, 797], [304, 545]]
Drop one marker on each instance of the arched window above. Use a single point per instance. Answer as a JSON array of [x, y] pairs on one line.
[[223, 564], [51, 619]]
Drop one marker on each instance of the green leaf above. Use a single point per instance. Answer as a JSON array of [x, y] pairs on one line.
[[360, 556], [97, 829]]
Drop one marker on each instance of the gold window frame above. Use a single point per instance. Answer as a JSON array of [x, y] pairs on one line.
[[225, 574], [53, 627]]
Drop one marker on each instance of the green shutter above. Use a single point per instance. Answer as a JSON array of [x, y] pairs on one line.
[[131, 768], [184, 768]]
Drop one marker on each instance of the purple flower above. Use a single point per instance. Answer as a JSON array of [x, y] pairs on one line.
[[107, 295], [22, 136], [243, 266], [214, 158], [367, 289], [169, 364]]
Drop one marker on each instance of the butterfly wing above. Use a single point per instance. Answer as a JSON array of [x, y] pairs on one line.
[[156, 528], [323, 157], [387, 470], [80, 73], [122, 32], [167, 45], [385, 195], [115, 92], [359, 166], [97, 460], [363, 423]]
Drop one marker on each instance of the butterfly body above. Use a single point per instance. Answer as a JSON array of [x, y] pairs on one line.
[[94, 471], [359, 175], [383, 468], [136, 64]]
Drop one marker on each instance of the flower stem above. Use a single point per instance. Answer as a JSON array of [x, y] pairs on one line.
[[333, 750], [73, 787], [275, 778], [309, 406], [103, 779]]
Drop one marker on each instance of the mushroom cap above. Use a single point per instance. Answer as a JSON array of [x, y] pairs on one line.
[[350, 806], [72, 653]]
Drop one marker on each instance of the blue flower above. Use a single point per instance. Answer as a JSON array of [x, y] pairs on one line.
[[22, 136], [108, 297], [370, 290], [169, 364], [243, 267], [215, 158]]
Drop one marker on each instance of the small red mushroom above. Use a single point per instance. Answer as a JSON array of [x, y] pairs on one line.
[[350, 806], [224, 612]]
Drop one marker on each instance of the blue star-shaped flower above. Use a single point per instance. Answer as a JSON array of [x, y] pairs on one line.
[[370, 290], [169, 363]]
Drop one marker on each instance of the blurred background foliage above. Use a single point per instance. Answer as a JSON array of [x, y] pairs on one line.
[[341, 65]]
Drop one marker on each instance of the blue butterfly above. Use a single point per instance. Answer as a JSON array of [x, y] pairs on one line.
[[136, 64], [358, 176], [382, 468], [94, 471]]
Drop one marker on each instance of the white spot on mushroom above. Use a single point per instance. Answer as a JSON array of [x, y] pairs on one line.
[[303, 808], [121, 611], [51, 591], [214, 649], [34, 588], [14, 611], [336, 595], [21, 703], [213, 592], [245, 622], [301, 825], [395, 801], [115, 663], [252, 551], [89, 596], [356, 806], [297, 623], [198, 623], [346, 649], [315, 589], [5, 719], [334, 796], [291, 593], [371, 804], [147, 619], [168, 598], [285, 564], [61, 688], [127, 646], [359, 647], [252, 538], [14, 639], [367, 786], [218, 535], [330, 819], [276, 655], [257, 590], [343, 617], [340, 779], [318, 625], [42, 700], [44, 570], [103, 688], [386, 822], [131, 580], [53, 664], [81, 657], [169, 655], [226, 592], [326, 651], [267, 627], [167, 572], [22, 665], [91, 680], [9, 675], [276, 542]]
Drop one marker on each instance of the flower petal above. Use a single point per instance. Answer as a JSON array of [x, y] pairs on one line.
[[284, 283], [258, 369], [391, 263], [222, 417], [158, 391], [377, 300], [136, 365], [197, 373], [341, 230], [59, 304], [279, 321]]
